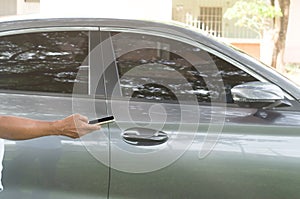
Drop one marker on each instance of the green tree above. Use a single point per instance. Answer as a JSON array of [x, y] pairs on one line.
[[261, 16]]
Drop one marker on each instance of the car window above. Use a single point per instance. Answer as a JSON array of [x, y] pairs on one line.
[[44, 61], [154, 68]]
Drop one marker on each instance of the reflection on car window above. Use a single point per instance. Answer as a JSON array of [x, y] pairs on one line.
[[161, 69], [44, 62]]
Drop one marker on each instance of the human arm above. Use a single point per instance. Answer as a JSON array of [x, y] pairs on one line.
[[19, 128]]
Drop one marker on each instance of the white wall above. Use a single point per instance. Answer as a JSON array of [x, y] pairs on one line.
[[27, 7], [18, 7], [8, 7], [136, 9], [292, 53]]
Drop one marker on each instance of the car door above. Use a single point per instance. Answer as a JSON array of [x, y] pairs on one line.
[[46, 75], [178, 132]]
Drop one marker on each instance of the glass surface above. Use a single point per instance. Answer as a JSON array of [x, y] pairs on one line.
[[44, 62], [160, 69]]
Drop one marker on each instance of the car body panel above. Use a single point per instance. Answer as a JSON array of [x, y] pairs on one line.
[[216, 151], [251, 158], [51, 167]]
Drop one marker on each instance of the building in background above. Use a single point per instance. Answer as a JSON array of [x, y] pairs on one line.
[[205, 15], [208, 16], [19, 7], [132, 9]]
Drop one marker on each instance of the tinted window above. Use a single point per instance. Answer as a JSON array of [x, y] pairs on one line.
[[161, 69], [44, 62]]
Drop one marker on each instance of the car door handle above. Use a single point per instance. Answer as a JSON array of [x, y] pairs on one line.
[[144, 136]]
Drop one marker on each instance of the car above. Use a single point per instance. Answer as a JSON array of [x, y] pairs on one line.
[[194, 117]]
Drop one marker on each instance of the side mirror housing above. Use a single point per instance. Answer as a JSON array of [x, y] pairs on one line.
[[261, 95]]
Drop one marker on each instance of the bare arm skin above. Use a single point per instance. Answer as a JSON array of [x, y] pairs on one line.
[[18, 128]]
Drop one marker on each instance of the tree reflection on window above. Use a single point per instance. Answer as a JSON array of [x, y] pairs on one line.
[[43, 62]]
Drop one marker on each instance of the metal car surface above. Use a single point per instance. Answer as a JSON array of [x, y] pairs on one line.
[[178, 131]]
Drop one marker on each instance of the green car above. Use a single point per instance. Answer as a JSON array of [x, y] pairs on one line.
[[194, 118]]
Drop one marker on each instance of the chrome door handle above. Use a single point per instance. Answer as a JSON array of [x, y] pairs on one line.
[[144, 136]]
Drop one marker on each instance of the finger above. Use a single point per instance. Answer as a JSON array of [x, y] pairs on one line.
[[94, 127], [83, 118], [74, 136]]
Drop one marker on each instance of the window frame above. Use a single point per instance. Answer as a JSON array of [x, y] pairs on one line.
[[188, 41], [54, 29]]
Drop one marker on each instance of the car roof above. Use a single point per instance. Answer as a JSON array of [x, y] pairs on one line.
[[32, 21]]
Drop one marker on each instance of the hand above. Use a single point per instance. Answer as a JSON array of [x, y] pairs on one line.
[[75, 126]]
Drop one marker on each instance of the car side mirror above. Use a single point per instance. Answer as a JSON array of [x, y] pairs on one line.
[[261, 95]]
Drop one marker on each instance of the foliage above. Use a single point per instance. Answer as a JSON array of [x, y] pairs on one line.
[[253, 14], [293, 67]]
